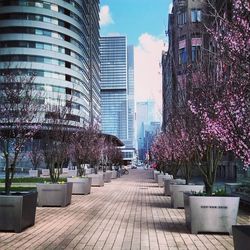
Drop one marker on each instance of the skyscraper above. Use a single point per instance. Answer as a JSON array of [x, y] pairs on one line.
[[58, 41], [114, 100], [130, 142], [145, 116], [117, 91]]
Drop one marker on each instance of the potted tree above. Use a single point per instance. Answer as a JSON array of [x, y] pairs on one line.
[[36, 158], [93, 143], [114, 158], [55, 151], [221, 106], [163, 151], [18, 124], [79, 153]]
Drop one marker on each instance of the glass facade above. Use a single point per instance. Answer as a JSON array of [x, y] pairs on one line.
[[131, 100], [114, 86], [58, 41]]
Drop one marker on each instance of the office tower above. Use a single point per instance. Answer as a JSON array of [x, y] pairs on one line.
[[145, 121], [114, 86], [130, 142], [58, 41], [117, 92]]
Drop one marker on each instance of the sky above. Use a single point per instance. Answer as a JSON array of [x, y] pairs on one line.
[[144, 22]]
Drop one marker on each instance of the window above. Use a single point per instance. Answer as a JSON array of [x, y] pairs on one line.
[[195, 15], [182, 18], [182, 56], [196, 53]]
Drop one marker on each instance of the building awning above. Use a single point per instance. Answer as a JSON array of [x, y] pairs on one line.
[[114, 139]]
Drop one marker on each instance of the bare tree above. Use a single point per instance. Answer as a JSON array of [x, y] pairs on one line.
[[36, 155], [19, 117], [86, 147], [56, 138]]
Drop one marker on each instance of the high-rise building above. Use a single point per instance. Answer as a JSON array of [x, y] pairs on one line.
[[187, 37], [145, 117], [114, 99], [58, 41], [117, 88], [130, 142], [117, 91]]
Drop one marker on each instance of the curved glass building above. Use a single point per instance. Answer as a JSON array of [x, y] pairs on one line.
[[58, 41]]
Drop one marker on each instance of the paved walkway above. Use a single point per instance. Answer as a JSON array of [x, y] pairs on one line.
[[128, 213]]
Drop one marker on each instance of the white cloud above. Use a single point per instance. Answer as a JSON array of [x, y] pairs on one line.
[[148, 78], [105, 16]]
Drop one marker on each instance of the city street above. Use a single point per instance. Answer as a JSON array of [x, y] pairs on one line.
[[128, 213]]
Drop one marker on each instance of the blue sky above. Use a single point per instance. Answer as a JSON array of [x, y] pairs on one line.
[[144, 22], [135, 17]]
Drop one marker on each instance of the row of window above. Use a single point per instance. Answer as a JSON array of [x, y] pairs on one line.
[[38, 31], [58, 89], [41, 18], [195, 17], [69, 117], [43, 32], [41, 59], [44, 5], [39, 45], [193, 35], [196, 54], [51, 74]]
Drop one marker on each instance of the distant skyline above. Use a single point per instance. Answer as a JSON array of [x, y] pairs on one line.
[[144, 22]]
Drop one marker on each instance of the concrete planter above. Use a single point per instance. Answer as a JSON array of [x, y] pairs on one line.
[[54, 195], [33, 173], [80, 185], [241, 236], [45, 173], [17, 211], [107, 176], [72, 173], [114, 174], [156, 173], [168, 184], [210, 213], [177, 199], [97, 180], [162, 177]]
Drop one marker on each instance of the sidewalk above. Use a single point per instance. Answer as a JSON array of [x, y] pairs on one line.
[[128, 213]]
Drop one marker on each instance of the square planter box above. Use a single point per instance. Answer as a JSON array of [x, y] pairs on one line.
[[54, 195], [156, 173], [45, 173], [214, 214], [17, 211], [88, 171], [80, 185], [107, 176], [241, 236], [72, 173], [168, 184], [177, 198], [161, 178], [33, 173], [97, 180], [114, 174]]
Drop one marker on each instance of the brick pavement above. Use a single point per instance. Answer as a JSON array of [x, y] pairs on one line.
[[128, 213]]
